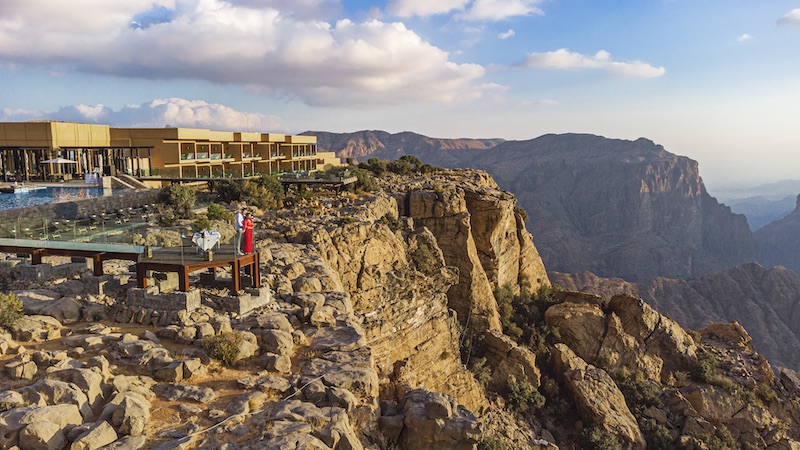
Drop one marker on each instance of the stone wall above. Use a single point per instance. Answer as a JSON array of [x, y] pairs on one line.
[[82, 208]]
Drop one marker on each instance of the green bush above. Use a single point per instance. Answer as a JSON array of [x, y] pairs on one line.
[[492, 443], [656, 435], [375, 165], [600, 439], [224, 347], [519, 210], [202, 223], [522, 316], [523, 397], [262, 194], [218, 212], [179, 198], [10, 309], [555, 399], [424, 259], [640, 392], [365, 181], [391, 221]]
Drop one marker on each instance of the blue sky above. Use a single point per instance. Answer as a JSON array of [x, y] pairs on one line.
[[718, 81]]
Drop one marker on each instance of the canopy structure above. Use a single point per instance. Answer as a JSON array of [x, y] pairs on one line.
[[59, 160]]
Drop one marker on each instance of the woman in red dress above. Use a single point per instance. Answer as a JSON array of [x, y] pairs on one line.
[[247, 235]]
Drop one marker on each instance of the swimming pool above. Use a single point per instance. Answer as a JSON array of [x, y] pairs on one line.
[[52, 194]]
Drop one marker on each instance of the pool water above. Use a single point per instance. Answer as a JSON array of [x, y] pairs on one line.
[[52, 194]]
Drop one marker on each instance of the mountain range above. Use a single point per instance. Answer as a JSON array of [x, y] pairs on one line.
[[610, 216]]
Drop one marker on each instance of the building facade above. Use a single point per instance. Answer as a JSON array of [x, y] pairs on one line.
[[61, 150]]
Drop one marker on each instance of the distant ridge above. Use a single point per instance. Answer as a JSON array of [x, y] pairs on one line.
[[614, 207], [362, 145]]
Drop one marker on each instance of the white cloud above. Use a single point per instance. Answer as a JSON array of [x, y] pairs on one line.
[[507, 34], [176, 112], [563, 59], [496, 10], [791, 18], [744, 37], [247, 42], [424, 8], [480, 10]]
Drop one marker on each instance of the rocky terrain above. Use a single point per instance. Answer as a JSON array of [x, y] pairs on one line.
[[378, 305], [764, 301], [779, 241], [617, 208]]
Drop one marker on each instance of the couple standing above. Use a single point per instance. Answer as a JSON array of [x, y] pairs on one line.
[[244, 232]]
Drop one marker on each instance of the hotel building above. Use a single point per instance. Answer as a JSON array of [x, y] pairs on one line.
[[155, 156]]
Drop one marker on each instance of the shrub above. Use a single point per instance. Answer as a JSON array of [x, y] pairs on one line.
[[365, 181], [656, 435], [424, 260], [262, 195], [218, 212], [375, 165], [481, 371], [492, 443], [228, 191], [522, 316], [346, 220], [202, 223], [640, 393], [522, 213], [224, 347], [523, 397], [10, 309], [179, 198], [555, 399], [600, 439], [391, 221], [766, 393]]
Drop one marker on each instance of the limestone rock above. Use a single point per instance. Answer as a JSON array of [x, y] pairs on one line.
[[131, 414], [597, 397], [98, 436], [434, 420], [36, 328]]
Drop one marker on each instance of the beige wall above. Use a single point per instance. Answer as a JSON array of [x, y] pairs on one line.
[[53, 134]]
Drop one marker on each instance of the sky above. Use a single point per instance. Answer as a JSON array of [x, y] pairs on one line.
[[715, 80]]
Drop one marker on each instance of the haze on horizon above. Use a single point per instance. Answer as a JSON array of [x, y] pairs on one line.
[[715, 81]]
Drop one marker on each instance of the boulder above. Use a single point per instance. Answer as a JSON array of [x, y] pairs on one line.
[[434, 420], [42, 436], [98, 436], [277, 341], [598, 399], [36, 328], [90, 381], [66, 310], [183, 392], [61, 419], [131, 414]]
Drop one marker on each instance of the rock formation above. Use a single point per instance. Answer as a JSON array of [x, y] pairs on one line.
[[763, 300], [359, 346], [616, 208], [779, 242]]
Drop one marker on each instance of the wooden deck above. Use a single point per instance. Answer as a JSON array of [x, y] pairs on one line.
[[188, 260], [183, 261]]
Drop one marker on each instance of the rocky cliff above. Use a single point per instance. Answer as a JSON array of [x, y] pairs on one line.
[[764, 301], [779, 241], [617, 208]]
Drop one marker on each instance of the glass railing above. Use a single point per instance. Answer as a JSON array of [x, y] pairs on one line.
[[105, 228]]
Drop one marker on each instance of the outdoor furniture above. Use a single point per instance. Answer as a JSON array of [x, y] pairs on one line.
[[205, 240]]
